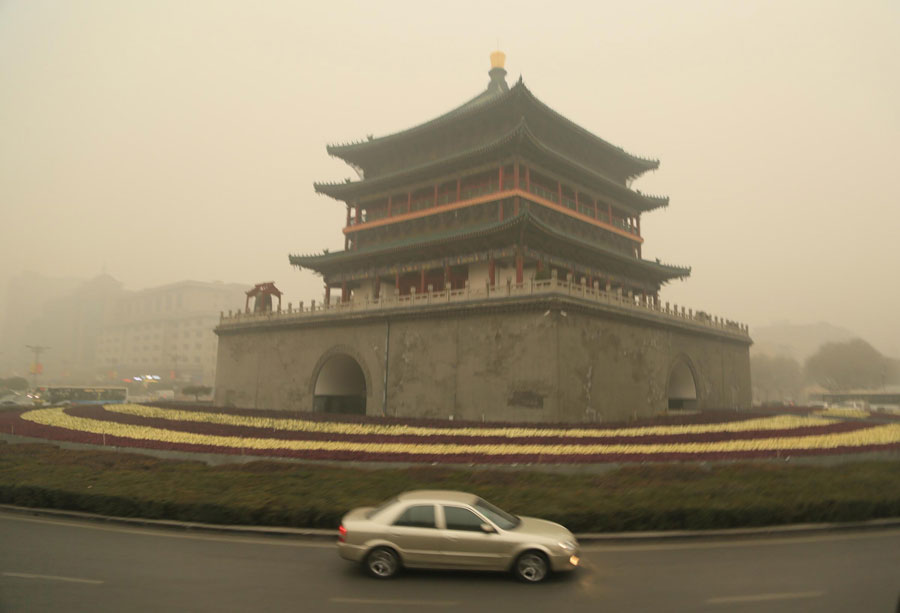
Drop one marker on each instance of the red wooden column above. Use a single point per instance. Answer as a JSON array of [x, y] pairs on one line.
[[520, 264], [435, 195], [577, 210], [458, 189], [596, 213], [327, 295], [446, 277], [408, 202], [516, 175], [377, 288], [345, 292], [609, 211], [397, 282], [422, 281], [559, 193], [390, 204], [501, 179], [527, 179], [638, 218], [491, 271], [347, 236], [358, 214]]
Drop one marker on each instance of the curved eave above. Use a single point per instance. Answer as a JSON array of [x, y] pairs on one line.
[[325, 261], [482, 101], [348, 190], [355, 152], [322, 261], [661, 271], [642, 164]]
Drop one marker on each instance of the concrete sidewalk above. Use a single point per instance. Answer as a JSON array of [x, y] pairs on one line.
[[612, 537]]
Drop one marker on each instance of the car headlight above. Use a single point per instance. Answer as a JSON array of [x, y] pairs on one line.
[[567, 546]]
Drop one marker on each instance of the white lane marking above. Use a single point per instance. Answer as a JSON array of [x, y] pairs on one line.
[[761, 541], [52, 578], [413, 603], [162, 531], [763, 597]]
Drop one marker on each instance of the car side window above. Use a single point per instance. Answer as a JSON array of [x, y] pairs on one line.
[[458, 518], [417, 517]]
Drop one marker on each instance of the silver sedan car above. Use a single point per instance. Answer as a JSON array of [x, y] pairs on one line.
[[453, 530]]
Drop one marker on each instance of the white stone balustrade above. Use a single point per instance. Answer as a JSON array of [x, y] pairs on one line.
[[544, 288]]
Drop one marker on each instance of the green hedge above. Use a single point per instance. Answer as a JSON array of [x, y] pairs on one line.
[[642, 497]]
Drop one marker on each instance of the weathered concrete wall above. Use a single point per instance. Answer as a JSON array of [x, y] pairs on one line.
[[616, 370], [529, 364], [277, 368]]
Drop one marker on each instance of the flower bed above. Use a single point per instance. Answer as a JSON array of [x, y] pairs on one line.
[[713, 435]]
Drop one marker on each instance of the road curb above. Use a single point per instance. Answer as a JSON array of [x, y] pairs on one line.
[[593, 537]]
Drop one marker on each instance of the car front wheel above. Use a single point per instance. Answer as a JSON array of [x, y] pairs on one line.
[[531, 567], [382, 563]]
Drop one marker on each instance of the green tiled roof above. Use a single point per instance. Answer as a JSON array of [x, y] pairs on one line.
[[354, 152], [520, 134], [526, 219]]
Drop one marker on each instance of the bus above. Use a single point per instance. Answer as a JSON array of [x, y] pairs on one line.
[[82, 395]]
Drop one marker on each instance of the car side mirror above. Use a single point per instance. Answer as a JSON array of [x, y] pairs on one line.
[[488, 529]]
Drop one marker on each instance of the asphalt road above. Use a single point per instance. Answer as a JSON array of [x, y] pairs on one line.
[[61, 565]]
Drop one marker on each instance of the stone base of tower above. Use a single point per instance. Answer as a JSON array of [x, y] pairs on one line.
[[531, 359]]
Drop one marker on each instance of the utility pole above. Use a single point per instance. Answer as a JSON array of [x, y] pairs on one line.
[[174, 372], [38, 350]]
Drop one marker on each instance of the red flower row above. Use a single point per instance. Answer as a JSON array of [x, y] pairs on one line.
[[99, 413]]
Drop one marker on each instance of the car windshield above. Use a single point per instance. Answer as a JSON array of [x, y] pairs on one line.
[[381, 507], [500, 517]]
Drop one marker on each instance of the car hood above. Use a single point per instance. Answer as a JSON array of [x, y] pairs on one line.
[[543, 528]]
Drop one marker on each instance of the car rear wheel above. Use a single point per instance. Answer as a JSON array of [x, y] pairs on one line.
[[382, 563], [531, 567]]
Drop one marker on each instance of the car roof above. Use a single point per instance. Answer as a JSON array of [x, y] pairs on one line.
[[439, 496]]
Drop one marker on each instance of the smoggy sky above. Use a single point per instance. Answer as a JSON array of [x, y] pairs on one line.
[[171, 140]]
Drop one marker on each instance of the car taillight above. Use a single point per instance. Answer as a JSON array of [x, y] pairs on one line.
[[342, 532]]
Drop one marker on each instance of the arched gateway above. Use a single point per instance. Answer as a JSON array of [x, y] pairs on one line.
[[682, 388], [340, 386]]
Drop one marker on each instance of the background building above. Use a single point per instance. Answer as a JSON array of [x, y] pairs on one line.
[[166, 331], [96, 331]]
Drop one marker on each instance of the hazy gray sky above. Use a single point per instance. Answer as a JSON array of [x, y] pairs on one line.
[[173, 140]]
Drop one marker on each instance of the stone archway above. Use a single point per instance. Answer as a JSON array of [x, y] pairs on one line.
[[681, 389], [340, 386]]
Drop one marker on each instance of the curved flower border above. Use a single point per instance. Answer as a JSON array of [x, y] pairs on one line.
[[778, 422], [870, 438]]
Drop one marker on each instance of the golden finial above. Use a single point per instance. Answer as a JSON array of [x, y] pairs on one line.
[[498, 59]]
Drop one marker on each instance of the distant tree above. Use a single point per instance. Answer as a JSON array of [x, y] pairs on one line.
[[892, 372], [854, 364], [775, 378], [196, 391], [16, 384]]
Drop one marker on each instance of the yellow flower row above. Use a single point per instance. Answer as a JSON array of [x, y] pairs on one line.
[[879, 435], [839, 412], [779, 422]]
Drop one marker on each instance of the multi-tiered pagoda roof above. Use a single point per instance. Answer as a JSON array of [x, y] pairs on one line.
[[502, 176]]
